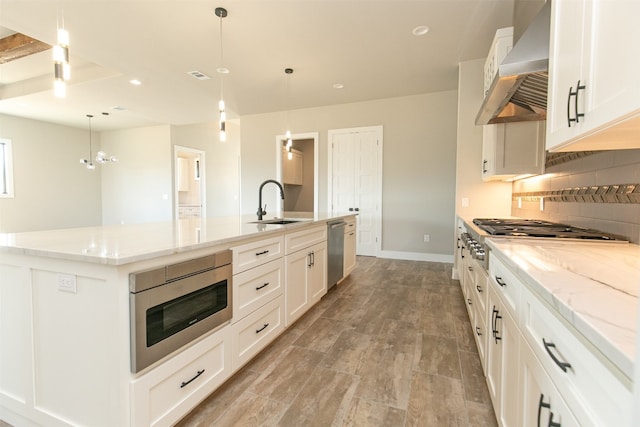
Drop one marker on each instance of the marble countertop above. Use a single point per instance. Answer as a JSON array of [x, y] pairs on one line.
[[594, 286], [123, 244]]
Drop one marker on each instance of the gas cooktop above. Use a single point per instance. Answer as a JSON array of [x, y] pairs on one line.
[[538, 228]]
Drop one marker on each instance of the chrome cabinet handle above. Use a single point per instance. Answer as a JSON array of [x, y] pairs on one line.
[[562, 365], [186, 383]]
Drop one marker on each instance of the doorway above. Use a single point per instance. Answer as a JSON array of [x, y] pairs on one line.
[[189, 183], [355, 182], [298, 172]]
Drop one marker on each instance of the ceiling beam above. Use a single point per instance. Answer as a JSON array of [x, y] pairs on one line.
[[18, 45]]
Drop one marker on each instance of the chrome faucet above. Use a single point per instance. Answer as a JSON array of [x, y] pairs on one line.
[[262, 211]]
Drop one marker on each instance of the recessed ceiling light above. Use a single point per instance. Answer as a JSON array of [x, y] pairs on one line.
[[222, 70], [420, 30], [135, 82], [338, 86]]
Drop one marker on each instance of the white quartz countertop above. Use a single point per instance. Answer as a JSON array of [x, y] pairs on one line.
[[594, 286], [123, 244]]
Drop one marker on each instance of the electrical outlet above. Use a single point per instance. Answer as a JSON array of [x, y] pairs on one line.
[[541, 204], [67, 283], [519, 202], [427, 238], [465, 202]]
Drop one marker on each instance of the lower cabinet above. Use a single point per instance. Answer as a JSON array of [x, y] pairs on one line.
[[306, 277], [163, 395], [349, 247], [502, 360], [542, 405]]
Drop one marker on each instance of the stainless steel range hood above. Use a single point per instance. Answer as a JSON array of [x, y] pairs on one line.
[[519, 90]]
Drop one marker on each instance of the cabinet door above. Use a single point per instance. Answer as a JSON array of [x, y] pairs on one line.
[[513, 149], [586, 39], [349, 251], [542, 405], [297, 267], [317, 278]]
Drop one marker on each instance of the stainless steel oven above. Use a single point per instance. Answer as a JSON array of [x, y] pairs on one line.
[[175, 304]]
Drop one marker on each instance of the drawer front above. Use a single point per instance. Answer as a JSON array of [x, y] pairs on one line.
[[508, 286], [254, 288], [594, 393], [170, 391], [254, 332], [350, 226], [305, 238], [257, 253], [479, 281]]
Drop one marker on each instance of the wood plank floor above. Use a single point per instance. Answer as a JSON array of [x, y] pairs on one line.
[[390, 346]]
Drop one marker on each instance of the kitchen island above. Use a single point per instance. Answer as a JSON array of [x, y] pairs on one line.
[[65, 309]]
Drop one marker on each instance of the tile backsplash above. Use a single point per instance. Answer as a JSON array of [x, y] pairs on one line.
[[598, 190]]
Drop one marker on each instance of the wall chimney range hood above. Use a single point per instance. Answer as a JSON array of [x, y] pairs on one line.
[[519, 90]]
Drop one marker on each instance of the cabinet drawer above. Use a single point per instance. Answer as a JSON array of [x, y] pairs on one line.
[[170, 391], [592, 390], [254, 332], [305, 238], [257, 253], [253, 288], [508, 286], [350, 226]]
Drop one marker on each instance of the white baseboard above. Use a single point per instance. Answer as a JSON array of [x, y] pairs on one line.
[[416, 256]]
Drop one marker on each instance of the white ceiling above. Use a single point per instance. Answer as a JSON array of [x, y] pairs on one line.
[[366, 45]]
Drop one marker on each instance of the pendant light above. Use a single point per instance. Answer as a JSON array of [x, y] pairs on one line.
[[221, 13], [101, 156], [288, 72], [61, 67]]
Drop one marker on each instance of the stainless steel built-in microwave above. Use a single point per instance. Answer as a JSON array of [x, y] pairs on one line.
[[175, 304]]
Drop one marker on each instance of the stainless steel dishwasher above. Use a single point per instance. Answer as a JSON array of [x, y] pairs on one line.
[[335, 252]]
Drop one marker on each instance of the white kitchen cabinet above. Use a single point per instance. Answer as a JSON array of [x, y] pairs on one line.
[[252, 333], [292, 169], [510, 150], [594, 92], [255, 287], [503, 359], [349, 246], [542, 405], [305, 270], [256, 253], [183, 174], [592, 389], [500, 47], [166, 393]]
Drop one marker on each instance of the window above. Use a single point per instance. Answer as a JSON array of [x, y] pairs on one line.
[[6, 169]]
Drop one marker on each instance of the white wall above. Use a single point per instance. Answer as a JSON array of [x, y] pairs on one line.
[[138, 188], [52, 188], [418, 163], [222, 162], [486, 199]]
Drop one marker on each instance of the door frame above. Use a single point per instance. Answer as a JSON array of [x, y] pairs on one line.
[[203, 180], [294, 137], [378, 185]]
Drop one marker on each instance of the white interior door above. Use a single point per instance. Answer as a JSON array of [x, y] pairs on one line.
[[356, 184]]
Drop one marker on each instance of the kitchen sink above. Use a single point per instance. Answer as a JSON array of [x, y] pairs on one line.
[[280, 221]]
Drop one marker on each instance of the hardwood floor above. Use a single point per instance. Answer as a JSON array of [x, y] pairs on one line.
[[390, 346]]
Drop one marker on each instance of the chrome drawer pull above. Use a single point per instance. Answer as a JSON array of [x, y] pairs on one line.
[[262, 286], [262, 329], [561, 365], [500, 281], [186, 383]]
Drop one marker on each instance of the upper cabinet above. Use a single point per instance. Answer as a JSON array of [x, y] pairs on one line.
[[500, 47], [513, 150], [594, 90]]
